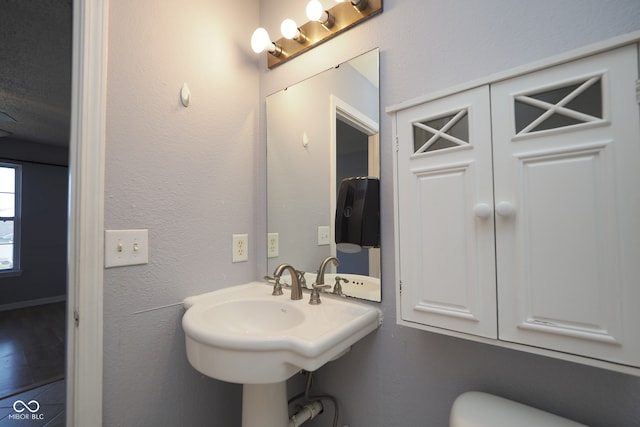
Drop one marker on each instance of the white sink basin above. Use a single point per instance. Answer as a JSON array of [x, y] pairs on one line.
[[243, 334], [250, 318]]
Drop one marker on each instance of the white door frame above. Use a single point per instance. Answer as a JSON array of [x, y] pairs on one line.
[[360, 121], [86, 213]]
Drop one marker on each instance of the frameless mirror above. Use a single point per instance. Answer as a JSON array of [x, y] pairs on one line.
[[320, 131]]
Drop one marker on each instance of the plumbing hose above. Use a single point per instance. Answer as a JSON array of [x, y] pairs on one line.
[[308, 412], [308, 397], [323, 397]]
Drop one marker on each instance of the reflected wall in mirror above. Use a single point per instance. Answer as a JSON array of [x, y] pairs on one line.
[[320, 131]]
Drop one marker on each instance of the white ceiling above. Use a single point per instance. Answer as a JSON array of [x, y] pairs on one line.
[[35, 69]]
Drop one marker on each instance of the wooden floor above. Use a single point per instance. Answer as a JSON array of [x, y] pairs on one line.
[[32, 347]]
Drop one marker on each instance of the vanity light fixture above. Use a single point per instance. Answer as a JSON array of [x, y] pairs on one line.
[[323, 25], [260, 42]]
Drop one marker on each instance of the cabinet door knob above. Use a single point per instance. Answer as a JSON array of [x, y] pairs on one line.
[[482, 210], [505, 209]]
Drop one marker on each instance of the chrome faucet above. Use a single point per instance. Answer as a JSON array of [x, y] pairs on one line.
[[319, 283], [323, 265], [296, 290]]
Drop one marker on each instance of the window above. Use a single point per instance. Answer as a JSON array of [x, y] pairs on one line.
[[573, 104], [9, 217], [443, 132]]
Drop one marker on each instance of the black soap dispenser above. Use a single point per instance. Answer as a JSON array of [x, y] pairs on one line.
[[358, 214]]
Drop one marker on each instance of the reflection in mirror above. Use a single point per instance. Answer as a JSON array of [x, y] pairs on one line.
[[320, 131]]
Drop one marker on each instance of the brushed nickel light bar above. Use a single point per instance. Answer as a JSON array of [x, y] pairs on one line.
[[323, 25]]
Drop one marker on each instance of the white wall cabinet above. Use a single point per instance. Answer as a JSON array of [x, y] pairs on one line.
[[518, 211]]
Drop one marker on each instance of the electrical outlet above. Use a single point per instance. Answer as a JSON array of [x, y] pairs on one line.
[[272, 245], [240, 248], [324, 235]]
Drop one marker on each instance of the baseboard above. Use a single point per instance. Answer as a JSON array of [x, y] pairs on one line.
[[32, 302], [32, 386]]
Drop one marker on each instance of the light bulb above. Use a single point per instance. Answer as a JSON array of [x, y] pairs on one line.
[[260, 40], [289, 29], [314, 10]]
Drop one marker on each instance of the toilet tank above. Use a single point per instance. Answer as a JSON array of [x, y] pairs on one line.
[[476, 409]]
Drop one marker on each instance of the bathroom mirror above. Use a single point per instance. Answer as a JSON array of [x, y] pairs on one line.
[[320, 131]]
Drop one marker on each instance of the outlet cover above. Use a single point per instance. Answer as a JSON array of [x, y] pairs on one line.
[[240, 248], [272, 245], [324, 235]]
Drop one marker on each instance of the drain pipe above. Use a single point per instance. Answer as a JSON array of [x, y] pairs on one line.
[[308, 412]]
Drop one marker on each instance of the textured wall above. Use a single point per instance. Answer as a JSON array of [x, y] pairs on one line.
[[403, 377], [186, 174]]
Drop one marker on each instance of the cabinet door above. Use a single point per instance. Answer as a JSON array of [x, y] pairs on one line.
[[566, 153], [446, 253]]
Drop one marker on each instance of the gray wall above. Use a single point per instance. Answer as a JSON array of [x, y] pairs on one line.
[[186, 174], [45, 176], [404, 377]]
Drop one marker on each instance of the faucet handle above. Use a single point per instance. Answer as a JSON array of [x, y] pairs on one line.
[[337, 287], [301, 279], [277, 287], [315, 293]]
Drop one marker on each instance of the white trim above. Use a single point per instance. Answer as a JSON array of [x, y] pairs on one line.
[[355, 118], [572, 55], [32, 302], [86, 213], [16, 218]]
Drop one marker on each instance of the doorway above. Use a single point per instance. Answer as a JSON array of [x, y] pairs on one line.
[[35, 117], [355, 151], [84, 318]]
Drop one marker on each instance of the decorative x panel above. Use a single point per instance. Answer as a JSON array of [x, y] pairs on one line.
[[568, 105], [441, 133]]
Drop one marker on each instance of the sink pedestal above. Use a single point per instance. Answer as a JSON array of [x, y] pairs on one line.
[[265, 405]]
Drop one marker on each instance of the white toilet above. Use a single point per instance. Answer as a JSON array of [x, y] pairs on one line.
[[476, 409]]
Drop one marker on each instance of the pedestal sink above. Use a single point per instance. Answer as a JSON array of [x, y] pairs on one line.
[[242, 334]]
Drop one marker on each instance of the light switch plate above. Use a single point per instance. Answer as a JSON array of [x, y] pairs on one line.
[[126, 247]]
